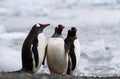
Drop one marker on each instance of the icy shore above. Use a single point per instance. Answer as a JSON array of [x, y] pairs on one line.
[[48, 76], [98, 31]]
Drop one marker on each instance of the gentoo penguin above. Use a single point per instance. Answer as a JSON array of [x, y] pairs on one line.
[[73, 45], [33, 49], [57, 54]]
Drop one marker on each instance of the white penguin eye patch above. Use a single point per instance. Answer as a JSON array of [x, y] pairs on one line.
[[38, 25]]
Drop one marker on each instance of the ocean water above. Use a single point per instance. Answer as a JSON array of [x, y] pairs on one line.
[[97, 23]]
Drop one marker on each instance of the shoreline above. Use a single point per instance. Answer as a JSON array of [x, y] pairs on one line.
[[48, 76]]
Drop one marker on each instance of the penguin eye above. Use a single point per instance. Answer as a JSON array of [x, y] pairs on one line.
[[38, 25]]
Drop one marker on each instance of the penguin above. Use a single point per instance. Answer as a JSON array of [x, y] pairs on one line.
[[33, 49], [73, 45], [57, 54]]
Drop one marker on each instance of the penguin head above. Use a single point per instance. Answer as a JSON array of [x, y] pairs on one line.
[[59, 29], [73, 31], [60, 26], [39, 27]]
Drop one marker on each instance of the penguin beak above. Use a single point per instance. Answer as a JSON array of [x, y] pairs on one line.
[[62, 27], [45, 25]]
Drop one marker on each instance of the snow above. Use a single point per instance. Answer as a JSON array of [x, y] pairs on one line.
[[62, 14], [2, 29], [97, 22]]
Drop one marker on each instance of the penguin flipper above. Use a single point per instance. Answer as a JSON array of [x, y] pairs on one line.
[[35, 51], [66, 48], [44, 56], [72, 56], [69, 69]]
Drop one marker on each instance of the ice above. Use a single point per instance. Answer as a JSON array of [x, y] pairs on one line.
[[116, 56], [2, 29], [8, 9], [95, 59], [96, 51], [37, 8], [70, 3], [97, 2], [10, 51], [44, 8], [3, 11], [62, 14], [12, 36], [9, 61], [43, 69]]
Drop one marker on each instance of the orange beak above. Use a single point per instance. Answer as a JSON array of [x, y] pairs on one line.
[[45, 25], [62, 27]]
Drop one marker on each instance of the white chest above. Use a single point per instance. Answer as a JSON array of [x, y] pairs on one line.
[[41, 45], [77, 50], [56, 57], [56, 47]]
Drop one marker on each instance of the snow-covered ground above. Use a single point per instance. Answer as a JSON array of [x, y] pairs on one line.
[[97, 21]]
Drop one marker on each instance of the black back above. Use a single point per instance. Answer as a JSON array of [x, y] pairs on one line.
[[69, 41], [30, 46]]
